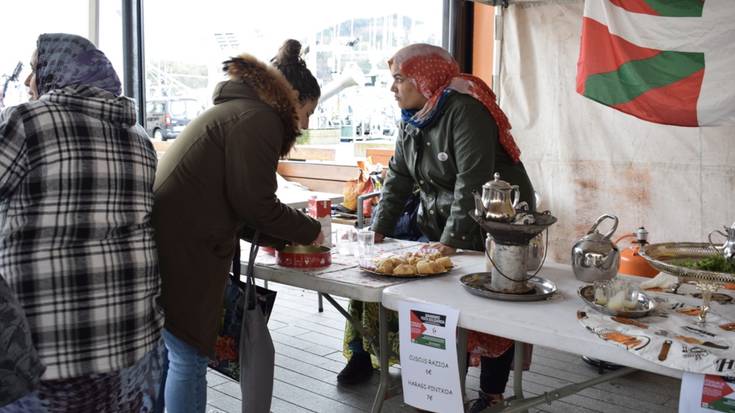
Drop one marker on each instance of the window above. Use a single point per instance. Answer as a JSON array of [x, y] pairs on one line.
[[21, 25], [186, 107], [111, 34], [346, 44]]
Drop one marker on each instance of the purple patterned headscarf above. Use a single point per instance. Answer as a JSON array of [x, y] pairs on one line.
[[70, 60]]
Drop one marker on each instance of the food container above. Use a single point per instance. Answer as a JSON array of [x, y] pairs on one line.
[[644, 305], [304, 256], [321, 210], [631, 262]]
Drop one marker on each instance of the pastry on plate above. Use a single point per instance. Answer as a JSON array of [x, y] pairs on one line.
[[424, 267], [405, 269], [385, 267], [445, 262], [437, 267]]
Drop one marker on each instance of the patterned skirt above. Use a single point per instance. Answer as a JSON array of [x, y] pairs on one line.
[[132, 389]]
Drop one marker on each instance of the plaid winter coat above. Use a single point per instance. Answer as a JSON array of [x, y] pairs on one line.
[[76, 243]]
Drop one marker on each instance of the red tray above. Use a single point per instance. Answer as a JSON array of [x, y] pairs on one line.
[[304, 256]]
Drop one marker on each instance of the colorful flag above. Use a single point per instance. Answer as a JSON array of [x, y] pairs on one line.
[[665, 61]]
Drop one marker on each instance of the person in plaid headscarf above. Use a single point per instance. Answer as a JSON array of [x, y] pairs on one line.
[[76, 240]]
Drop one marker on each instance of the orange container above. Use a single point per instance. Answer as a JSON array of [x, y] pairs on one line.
[[631, 262]]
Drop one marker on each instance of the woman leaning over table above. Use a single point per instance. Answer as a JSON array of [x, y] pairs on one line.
[[76, 242], [453, 138], [217, 179]]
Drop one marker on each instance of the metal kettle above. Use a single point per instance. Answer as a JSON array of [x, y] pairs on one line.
[[595, 257], [496, 199], [728, 248]]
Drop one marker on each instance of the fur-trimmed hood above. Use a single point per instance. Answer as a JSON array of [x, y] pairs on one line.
[[270, 87]]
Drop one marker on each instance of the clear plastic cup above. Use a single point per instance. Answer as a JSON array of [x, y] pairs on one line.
[[365, 243], [346, 241], [632, 290], [602, 291]]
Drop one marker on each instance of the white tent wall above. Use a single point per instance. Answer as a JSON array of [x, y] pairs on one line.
[[587, 159]]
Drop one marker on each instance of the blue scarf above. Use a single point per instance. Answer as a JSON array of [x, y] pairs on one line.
[[407, 115]]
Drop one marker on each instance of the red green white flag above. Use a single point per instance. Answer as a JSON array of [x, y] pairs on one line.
[[664, 61]]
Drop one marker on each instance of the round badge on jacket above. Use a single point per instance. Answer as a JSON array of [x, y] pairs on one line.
[[442, 156]]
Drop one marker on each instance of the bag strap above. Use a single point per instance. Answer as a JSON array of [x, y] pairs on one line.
[[250, 297], [236, 261]]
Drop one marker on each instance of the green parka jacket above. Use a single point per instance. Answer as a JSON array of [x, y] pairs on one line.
[[448, 159], [218, 177]]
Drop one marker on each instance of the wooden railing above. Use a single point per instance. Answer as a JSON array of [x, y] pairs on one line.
[[318, 176]]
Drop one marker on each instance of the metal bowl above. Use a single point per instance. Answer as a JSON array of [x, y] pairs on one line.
[[664, 257], [515, 234], [644, 306]]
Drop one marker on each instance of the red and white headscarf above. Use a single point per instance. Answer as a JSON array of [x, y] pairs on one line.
[[433, 70]]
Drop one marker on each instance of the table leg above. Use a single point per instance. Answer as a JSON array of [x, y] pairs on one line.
[[321, 303], [574, 388], [518, 359], [384, 354], [356, 324], [382, 350], [462, 359]]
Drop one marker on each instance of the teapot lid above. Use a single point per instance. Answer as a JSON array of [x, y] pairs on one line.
[[498, 184]]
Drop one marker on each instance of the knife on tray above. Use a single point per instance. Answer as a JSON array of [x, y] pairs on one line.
[[692, 340], [698, 331]]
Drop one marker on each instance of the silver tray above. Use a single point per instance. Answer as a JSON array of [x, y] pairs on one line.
[[664, 257], [644, 307], [479, 284]]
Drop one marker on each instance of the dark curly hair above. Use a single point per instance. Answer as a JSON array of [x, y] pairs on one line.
[[289, 62]]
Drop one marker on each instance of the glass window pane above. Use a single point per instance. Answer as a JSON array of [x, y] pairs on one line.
[[346, 44], [22, 23], [111, 34]]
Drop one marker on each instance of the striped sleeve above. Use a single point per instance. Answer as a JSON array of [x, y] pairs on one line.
[[12, 151]]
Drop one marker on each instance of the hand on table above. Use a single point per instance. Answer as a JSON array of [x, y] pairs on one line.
[[379, 237], [444, 249], [319, 239]]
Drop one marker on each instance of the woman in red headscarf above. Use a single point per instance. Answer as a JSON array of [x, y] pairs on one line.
[[453, 138]]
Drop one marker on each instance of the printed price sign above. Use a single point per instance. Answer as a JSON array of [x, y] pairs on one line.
[[707, 393], [429, 367]]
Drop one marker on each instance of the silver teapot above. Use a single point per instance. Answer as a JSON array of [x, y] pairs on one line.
[[496, 199], [595, 257], [728, 248]]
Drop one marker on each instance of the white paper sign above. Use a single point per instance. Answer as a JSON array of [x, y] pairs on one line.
[[429, 367], [706, 393]]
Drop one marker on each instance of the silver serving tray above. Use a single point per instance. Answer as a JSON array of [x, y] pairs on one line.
[[479, 284], [644, 307], [664, 257]]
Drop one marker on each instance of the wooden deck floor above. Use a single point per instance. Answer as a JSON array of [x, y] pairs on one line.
[[308, 357]]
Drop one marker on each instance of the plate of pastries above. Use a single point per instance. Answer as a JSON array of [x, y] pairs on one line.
[[409, 264]]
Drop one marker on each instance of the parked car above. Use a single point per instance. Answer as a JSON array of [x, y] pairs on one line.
[[166, 117]]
